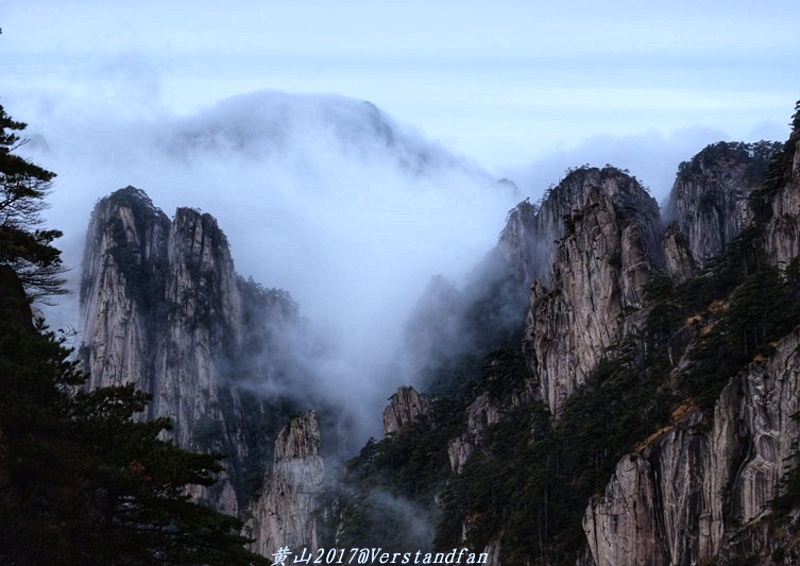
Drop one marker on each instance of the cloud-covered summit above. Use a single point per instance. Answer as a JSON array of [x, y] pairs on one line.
[[324, 196], [267, 124]]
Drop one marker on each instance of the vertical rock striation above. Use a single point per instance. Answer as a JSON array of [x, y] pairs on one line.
[[406, 407], [694, 493], [160, 306], [708, 204], [783, 231], [699, 491], [286, 512], [602, 262], [163, 308], [125, 244]]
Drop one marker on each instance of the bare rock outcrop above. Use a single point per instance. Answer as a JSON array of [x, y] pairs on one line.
[[699, 491], [678, 259], [160, 304], [406, 406], [481, 413], [160, 308], [126, 236], [692, 492], [783, 230], [163, 308], [709, 200], [602, 262], [285, 513]]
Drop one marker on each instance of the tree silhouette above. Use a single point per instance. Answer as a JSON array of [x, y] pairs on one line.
[[23, 186]]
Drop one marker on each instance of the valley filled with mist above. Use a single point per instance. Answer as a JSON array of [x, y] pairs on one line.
[[396, 348]]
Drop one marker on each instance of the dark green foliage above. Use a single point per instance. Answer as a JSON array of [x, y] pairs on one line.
[[491, 323], [454, 377], [757, 155], [82, 482], [509, 485], [742, 303], [779, 173], [527, 484], [389, 489], [23, 186], [761, 310], [532, 482]]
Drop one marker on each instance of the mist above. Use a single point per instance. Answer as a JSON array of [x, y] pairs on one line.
[[323, 196], [653, 156]]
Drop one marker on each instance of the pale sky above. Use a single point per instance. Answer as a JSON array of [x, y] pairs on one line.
[[505, 82]]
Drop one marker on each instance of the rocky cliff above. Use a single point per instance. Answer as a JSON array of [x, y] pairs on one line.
[[701, 489], [783, 209], [659, 375], [605, 389], [287, 511], [163, 308], [487, 314], [601, 264], [406, 406], [126, 235], [709, 200]]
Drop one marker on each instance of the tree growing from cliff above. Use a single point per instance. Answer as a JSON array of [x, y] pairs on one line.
[[23, 245], [82, 481]]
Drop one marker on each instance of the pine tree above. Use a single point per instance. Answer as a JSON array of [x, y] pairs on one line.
[[81, 480], [23, 186]]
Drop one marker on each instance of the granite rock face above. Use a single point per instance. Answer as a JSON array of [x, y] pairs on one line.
[[709, 201], [695, 493], [783, 230], [286, 512], [126, 235], [163, 308], [601, 264], [406, 407], [678, 259], [699, 490]]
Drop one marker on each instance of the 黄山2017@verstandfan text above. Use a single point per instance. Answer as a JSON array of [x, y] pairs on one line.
[[285, 556]]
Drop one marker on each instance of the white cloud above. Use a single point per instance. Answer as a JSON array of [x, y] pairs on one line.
[[323, 196], [526, 90]]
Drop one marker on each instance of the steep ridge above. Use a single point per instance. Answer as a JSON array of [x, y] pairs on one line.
[[164, 309], [709, 200], [406, 406], [124, 235], [490, 475], [452, 330], [696, 494], [451, 325], [601, 264], [661, 357], [701, 490], [285, 514], [647, 356]]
